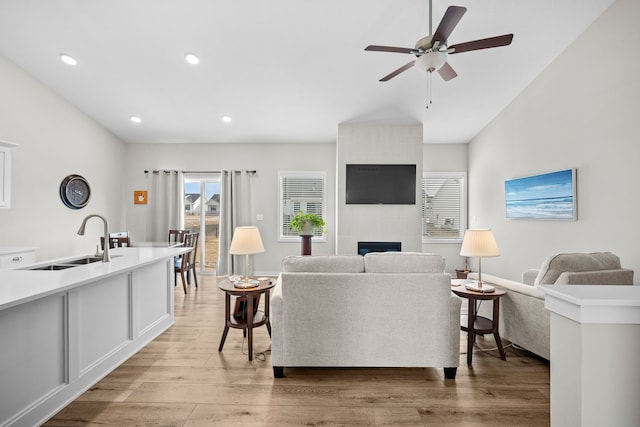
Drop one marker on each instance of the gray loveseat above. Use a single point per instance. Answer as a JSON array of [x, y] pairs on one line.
[[378, 310], [523, 319]]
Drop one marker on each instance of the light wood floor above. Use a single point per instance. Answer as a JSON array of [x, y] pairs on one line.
[[180, 379]]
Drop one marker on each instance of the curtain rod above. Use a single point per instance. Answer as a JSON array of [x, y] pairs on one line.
[[223, 171]]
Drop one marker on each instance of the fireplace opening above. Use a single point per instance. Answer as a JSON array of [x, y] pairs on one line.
[[366, 247]]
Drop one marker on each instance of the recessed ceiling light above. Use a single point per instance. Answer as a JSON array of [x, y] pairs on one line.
[[67, 59], [226, 118], [192, 58], [135, 119]]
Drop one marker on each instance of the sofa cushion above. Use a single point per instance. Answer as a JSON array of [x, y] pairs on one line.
[[403, 262], [323, 264], [557, 264]]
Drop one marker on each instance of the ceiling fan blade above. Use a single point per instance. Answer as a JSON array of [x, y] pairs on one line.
[[398, 71], [497, 41], [392, 49], [446, 72], [449, 21]]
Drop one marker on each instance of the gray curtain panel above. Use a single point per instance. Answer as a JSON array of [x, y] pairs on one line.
[[235, 211], [166, 204]]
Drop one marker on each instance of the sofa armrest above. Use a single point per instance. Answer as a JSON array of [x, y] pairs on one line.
[[455, 304], [276, 320], [529, 276], [622, 276], [511, 285]]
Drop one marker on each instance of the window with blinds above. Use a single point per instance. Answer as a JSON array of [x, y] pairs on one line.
[[300, 191], [444, 206]]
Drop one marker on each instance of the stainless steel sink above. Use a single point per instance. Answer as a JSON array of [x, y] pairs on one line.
[[51, 267], [85, 260], [63, 265]]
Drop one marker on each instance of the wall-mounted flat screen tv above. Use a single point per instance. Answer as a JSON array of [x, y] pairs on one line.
[[375, 184]]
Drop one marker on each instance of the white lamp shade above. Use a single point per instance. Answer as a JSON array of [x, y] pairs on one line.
[[479, 243], [246, 240]]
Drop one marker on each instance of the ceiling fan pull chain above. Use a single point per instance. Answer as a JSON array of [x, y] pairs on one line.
[[429, 73], [430, 86], [428, 91]]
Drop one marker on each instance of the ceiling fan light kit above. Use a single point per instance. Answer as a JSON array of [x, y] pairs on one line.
[[430, 61], [432, 51]]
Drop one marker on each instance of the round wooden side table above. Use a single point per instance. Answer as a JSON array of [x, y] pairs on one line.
[[477, 324], [245, 315]]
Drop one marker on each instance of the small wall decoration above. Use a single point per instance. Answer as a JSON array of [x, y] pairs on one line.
[[140, 197], [546, 196]]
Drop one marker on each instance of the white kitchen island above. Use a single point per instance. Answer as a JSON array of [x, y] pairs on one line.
[[62, 331], [595, 342]]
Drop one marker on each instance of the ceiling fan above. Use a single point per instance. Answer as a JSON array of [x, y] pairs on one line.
[[432, 51]]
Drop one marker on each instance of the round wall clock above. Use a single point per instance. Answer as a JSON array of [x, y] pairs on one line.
[[75, 192]]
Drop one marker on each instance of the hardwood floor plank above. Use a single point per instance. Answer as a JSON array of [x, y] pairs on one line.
[[485, 416], [236, 394], [180, 379], [216, 415], [121, 414], [191, 375], [109, 390], [168, 359]]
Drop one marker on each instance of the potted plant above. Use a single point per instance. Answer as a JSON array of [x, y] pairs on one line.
[[462, 273], [306, 224]]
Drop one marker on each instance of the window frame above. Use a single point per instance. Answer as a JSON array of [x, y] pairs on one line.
[[281, 222], [463, 205]]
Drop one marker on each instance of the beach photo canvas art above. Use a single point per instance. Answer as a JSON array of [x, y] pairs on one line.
[[546, 196]]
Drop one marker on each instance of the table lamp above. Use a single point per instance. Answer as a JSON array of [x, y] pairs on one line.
[[246, 241], [479, 243]]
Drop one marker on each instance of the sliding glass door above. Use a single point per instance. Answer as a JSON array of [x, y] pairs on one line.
[[202, 213]]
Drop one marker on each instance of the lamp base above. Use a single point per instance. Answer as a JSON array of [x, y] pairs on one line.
[[246, 284], [479, 287]]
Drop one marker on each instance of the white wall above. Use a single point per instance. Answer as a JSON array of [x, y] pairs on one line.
[[583, 111], [445, 158], [54, 140], [378, 143], [266, 159]]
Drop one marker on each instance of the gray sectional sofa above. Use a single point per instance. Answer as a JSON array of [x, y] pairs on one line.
[[523, 319], [391, 309]]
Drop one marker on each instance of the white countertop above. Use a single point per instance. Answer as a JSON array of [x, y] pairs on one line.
[[19, 286], [605, 304]]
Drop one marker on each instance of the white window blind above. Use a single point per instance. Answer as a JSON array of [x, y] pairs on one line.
[[444, 206], [300, 191]]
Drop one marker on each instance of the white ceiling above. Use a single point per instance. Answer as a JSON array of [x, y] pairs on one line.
[[285, 70]]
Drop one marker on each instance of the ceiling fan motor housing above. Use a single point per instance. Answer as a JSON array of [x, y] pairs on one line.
[[424, 43]]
